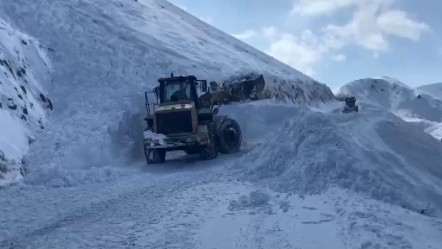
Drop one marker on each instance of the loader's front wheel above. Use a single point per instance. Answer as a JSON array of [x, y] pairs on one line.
[[208, 152], [155, 156], [229, 137]]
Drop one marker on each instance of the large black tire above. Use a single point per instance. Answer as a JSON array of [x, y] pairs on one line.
[[229, 135], [155, 156], [209, 152]]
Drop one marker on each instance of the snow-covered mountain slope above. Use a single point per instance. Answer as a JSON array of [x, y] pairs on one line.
[[23, 102], [434, 90], [405, 102], [105, 53]]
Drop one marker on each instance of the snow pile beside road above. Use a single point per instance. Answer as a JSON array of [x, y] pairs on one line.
[[23, 102], [372, 152]]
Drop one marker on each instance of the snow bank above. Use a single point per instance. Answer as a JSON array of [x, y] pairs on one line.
[[373, 153], [105, 53], [23, 102]]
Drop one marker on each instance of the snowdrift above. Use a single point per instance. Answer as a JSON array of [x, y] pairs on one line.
[[23, 101], [373, 153], [105, 53], [405, 102]]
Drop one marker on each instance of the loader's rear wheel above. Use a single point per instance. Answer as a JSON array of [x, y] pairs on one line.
[[208, 152], [229, 136], [155, 156]]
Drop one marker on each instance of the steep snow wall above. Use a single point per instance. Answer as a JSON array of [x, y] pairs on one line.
[[405, 102], [105, 53], [23, 101]]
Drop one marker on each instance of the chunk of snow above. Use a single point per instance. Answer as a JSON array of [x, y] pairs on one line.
[[154, 137]]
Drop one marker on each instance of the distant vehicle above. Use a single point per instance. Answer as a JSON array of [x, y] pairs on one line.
[[350, 103]]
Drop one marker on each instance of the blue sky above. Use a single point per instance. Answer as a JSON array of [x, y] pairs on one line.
[[336, 41]]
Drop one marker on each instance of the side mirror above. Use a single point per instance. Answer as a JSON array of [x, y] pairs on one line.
[[204, 85], [157, 91], [215, 111]]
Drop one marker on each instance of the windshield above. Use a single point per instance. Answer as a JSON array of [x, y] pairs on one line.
[[176, 91]]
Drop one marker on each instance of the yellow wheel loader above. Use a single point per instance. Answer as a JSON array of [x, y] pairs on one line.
[[185, 117]]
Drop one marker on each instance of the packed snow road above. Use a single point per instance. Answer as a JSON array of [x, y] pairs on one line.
[[202, 206], [196, 207]]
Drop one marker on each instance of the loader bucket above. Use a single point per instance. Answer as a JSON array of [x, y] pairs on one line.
[[248, 88], [223, 97]]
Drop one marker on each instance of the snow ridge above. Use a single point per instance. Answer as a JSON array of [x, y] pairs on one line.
[[405, 102], [434, 90]]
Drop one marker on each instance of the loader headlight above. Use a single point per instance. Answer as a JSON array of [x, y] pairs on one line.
[[187, 106]]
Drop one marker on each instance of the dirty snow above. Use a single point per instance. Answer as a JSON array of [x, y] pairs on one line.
[[23, 67], [148, 134]]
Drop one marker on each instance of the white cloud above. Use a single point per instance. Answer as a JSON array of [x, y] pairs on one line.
[[248, 34], [371, 25], [296, 51], [361, 30], [339, 58], [300, 52], [270, 33], [396, 22], [207, 20], [316, 8], [320, 7]]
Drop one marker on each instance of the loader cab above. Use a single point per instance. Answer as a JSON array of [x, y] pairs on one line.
[[179, 108], [180, 89]]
